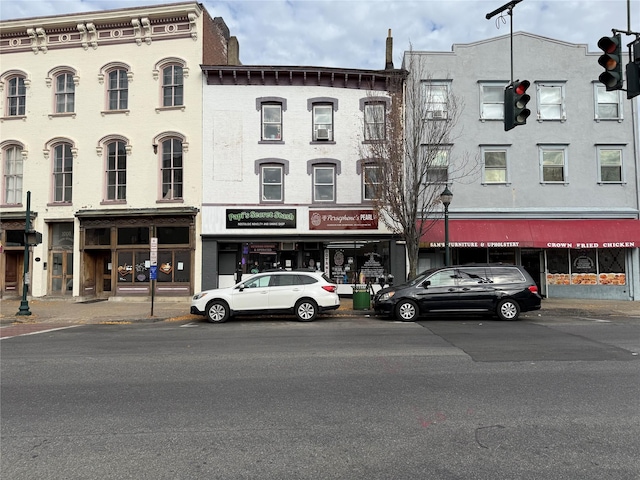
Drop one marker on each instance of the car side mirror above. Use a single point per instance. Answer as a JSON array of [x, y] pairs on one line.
[[241, 287], [426, 284]]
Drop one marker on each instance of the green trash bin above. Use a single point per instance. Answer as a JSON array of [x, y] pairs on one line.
[[361, 298]]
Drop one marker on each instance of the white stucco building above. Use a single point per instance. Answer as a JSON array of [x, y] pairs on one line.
[[101, 118]]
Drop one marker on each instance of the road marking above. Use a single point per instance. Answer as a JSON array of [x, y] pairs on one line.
[[3, 337], [189, 325]]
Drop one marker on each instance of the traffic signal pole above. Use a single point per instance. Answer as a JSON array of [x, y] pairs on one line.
[[509, 8]]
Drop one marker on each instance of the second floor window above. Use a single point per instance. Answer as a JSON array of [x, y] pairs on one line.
[[324, 184], [172, 86], [12, 172], [372, 182], [271, 122], [65, 93], [16, 97], [495, 165], [116, 171], [553, 164], [438, 168], [62, 173], [323, 123], [610, 161], [272, 184], [172, 181], [118, 90], [374, 121]]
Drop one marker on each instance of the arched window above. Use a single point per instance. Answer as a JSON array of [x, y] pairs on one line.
[[12, 167], [172, 72], [15, 83], [116, 170]]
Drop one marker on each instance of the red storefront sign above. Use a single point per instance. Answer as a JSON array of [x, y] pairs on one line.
[[343, 220], [624, 233]]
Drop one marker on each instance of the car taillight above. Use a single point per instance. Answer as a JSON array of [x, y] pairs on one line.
[[330, 288], [533, 289]]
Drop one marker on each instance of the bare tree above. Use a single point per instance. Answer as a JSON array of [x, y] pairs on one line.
[[407, 154]]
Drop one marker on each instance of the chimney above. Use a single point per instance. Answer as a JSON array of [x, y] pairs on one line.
[[233, 52], [389, 53]]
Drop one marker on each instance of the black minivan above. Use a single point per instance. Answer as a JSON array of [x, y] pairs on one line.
[[503, 290]]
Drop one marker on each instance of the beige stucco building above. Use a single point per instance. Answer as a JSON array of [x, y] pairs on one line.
[[101, 120]]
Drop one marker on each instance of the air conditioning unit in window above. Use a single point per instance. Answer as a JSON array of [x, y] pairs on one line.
[[323, 134], [438, 114]]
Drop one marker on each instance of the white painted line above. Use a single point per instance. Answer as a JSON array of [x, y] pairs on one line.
[[40, 331], [189, 325]]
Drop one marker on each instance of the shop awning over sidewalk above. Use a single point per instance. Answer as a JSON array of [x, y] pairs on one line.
[[624, 233]]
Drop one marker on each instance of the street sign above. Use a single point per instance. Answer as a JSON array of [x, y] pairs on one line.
[[153, 257], [153, 272]]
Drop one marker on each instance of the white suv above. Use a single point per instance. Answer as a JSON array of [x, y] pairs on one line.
[[303, 293]]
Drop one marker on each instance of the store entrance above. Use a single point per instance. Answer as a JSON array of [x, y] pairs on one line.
[[531, 262]]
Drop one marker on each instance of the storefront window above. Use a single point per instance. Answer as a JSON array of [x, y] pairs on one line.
[[558, 267], [173, 235], [133, 236], [174, 266], [133, 267], [97, 236], [604, 266], [360, 262], [611, 266]]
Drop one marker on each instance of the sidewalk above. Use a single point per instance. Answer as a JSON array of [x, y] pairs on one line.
[[139, 310]]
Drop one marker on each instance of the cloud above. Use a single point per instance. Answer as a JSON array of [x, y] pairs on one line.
[[352, 33]]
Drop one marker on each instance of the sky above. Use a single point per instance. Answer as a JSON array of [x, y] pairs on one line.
[[352, 33]]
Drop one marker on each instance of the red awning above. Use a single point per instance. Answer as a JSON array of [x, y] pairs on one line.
[[536, 233]]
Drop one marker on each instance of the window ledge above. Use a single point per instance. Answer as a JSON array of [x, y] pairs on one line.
[[491, 184], [271, 142], [322, 142], [11, 205], [170, 200], [13, 117], [61, 115], [113, 202], [59, 204], [555, 183], [612, 119], [114, 112], [600, 182], [165, 109]]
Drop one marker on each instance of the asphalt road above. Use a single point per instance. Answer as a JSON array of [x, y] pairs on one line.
[[344, 398]]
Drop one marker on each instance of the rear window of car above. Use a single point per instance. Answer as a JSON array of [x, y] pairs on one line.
[[506, 275], [472, 276], [307, 279]]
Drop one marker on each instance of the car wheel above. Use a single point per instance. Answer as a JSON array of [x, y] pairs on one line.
[[407, 311], [508, 310], [306, 310], [217, 312]]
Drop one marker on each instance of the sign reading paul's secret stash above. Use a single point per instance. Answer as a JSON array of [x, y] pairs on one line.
[[343, 220], [267, 218]]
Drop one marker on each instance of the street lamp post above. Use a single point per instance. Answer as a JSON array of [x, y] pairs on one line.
[[24, 304], [445, 197]]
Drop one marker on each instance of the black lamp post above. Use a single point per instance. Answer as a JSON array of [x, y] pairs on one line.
[[445, 197], [24, 304]]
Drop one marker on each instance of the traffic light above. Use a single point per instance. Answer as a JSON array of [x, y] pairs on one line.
[[611, 60], [633, 72], [515, 104]]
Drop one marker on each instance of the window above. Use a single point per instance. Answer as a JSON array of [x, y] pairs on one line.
[[491, 101], [551, 102], [16, 97], [65, 93], [374, 121], [12, 172], [322, 123], [553, 163], [116, 171], [272, 183], [171, 169], [610, 164], [495, 165], [438, 165], [436, 95], [172, 86], [271, 122], [608, 104], [62, 173], [371, 182], [324, 183], [118, 90]]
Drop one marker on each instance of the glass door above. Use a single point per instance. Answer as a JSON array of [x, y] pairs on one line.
[[61, 273]]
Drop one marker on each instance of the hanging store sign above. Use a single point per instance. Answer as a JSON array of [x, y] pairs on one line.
[[268, 218], [343, 220]]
